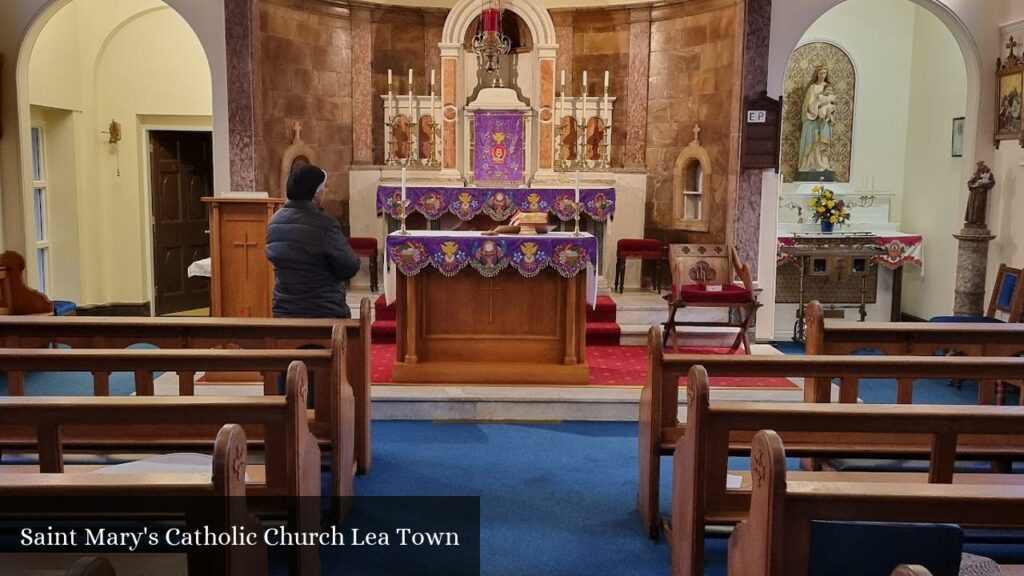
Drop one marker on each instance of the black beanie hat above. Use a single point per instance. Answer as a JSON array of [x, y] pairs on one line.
[[304, 181]]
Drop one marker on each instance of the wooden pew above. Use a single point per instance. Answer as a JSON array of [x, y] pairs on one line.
[[334, 429], [15, 296], [168, 333], [700, 462], [775, 540], [45, 496], [291, 456], [660, 429], [907, 339]]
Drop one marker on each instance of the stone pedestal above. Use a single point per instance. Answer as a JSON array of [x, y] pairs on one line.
[[971, 264]]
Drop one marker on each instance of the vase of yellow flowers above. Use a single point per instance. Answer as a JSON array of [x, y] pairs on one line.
[[828, 210]]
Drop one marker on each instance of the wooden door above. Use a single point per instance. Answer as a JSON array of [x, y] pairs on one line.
[[181, 174]]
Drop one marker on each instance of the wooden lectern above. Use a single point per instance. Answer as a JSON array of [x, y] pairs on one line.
[[242, 279]]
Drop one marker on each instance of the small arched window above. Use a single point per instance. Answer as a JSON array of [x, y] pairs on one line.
[[690, 187]]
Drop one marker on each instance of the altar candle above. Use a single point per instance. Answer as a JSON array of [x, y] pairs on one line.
[[606, 81], [577, 191], [584, 81], [606, 92], [563, 80], [389, 79], [431, 80], [403, 192]]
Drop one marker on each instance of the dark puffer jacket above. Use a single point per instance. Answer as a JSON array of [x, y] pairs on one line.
[[312, 261]]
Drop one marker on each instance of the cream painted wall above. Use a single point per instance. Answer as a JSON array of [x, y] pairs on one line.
[[973, 23], [137, 57], [932, 176], [21, 21], [878, 35]]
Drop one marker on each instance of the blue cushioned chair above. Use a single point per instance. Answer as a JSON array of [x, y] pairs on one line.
[[875, 549], [1007, 297]]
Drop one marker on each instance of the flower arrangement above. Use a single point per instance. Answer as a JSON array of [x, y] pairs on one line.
[[828, 210]]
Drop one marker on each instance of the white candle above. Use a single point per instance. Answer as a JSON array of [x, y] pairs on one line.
[[584, 81], [605, 80], [389, 78], [410, 80], [577, 190], [403, 191], [431, 80], [563, 80]]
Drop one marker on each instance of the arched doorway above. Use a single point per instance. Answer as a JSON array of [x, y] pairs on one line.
[[101, 198], [902, 126]]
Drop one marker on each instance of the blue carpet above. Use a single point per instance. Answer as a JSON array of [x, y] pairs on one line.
[[75, 383]]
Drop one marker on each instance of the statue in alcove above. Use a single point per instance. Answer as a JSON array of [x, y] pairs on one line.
[[819, 117], [977, 203], [567, 139], [595, 139]]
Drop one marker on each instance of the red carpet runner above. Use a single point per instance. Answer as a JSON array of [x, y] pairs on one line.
[[609, 366]]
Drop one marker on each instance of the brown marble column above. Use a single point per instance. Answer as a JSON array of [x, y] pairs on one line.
[[757, 26], [244, 102], [449, 113], [546, 160], [363, 98], [639, 68]]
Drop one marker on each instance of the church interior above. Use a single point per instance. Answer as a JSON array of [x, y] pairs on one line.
[[646, 287]]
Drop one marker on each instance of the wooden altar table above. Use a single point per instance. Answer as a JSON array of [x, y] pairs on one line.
[[517, 316]]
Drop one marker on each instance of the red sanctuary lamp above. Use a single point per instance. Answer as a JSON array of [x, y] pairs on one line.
[[490, 43]]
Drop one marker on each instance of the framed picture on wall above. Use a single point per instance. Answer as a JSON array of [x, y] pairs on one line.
[[958, 137], [1009, 95]]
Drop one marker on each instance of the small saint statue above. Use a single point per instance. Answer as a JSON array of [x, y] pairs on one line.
[[977, 203]]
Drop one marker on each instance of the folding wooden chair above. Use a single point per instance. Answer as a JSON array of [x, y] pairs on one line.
[[704, 276]]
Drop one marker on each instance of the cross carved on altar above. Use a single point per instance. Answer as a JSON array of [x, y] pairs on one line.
[[490, 298], [245, 244]]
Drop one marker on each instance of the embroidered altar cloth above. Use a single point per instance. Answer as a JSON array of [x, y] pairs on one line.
[[898, 249], [451, 252], [498, 203]]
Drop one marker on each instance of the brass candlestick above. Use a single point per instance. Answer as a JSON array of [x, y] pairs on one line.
[[579, 207]]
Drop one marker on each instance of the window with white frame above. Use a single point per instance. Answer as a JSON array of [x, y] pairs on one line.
[[40, 209]]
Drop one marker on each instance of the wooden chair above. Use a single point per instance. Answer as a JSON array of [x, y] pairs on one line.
[[775, 539], [640, 249], [367, 248], [703, 276], [16, 298]]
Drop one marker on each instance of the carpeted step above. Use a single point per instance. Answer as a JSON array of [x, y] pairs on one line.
[[382, 332], [604, 312], [381, 311], [603, 334]]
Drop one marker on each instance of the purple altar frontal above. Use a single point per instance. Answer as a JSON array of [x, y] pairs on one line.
[[498, 203], [451, 252]]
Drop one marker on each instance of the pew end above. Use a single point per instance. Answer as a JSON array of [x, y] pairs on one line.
[[91, 566]]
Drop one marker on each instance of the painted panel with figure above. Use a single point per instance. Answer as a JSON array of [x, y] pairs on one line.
[[817, 135], [1010, 94]]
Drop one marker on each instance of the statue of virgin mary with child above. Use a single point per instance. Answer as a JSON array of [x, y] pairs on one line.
[[819, 116]]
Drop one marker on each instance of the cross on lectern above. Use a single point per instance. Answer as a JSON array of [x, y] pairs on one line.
[[245, 244], [490, 298]]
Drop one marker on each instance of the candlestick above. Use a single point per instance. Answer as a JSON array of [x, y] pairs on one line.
[[576, 231], [581, 155], [404, 231]]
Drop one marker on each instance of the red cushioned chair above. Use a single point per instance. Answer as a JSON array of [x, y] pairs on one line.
[[367, 247], [642, 249], [703, 276]]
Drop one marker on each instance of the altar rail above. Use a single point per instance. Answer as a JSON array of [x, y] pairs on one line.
[[715, 430], [906, 339], [775, 540], [180, 332], [660, 429]]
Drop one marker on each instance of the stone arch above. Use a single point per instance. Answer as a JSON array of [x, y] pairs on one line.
[[532, 12], [693, 154]]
